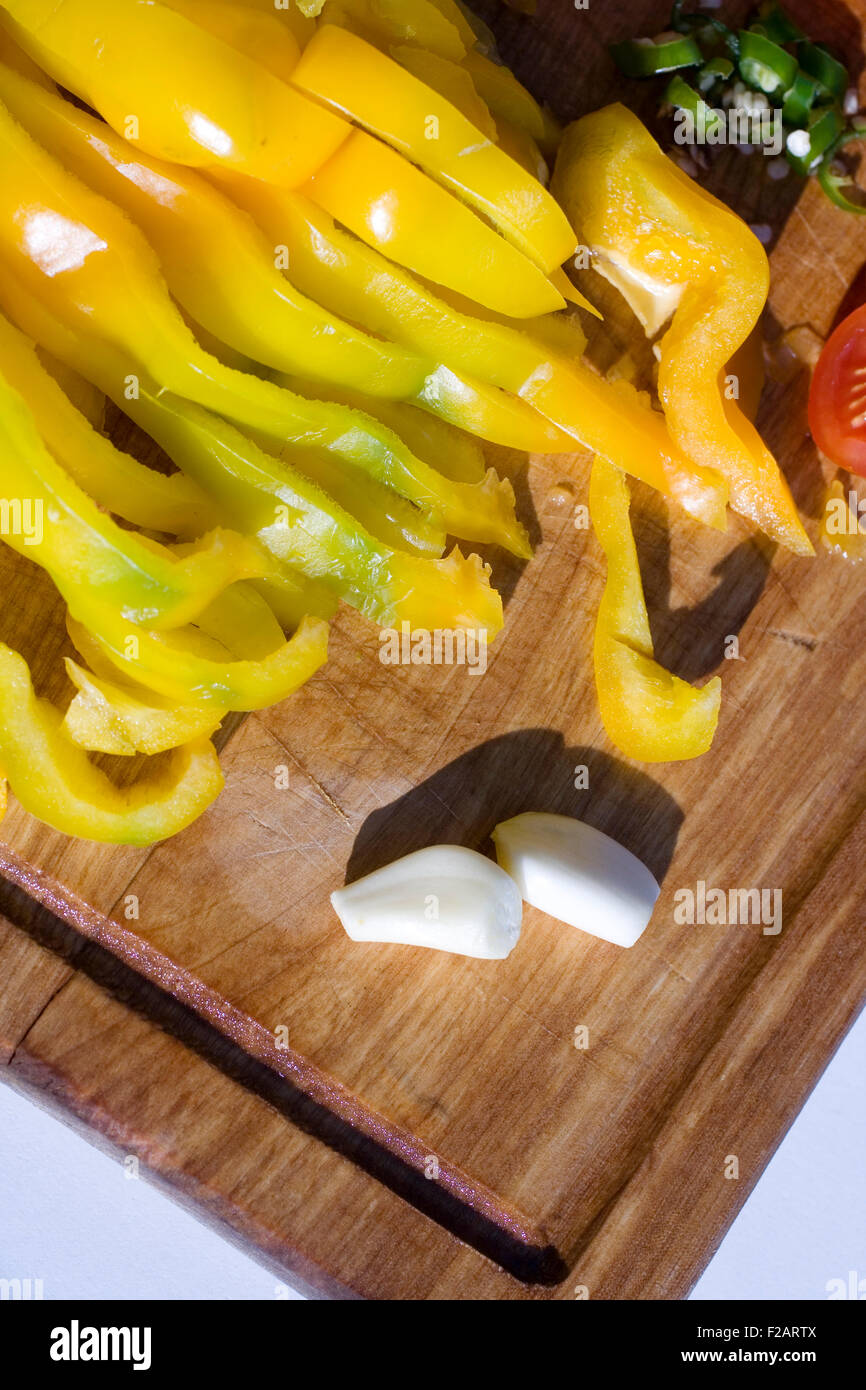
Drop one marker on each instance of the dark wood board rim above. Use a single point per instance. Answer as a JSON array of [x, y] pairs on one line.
[[151, 982]]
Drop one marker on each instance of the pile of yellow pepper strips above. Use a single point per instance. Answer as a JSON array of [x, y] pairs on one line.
[[345, 201]]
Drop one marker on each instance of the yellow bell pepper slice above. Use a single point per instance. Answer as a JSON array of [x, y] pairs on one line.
[[434, 26], [217, 263], [191, 666], [87, 399], [259, 36], [454, 82], [66, 533], [392, 206], [55, 781], [507, 98], [672, 248], [289, 13], [521, 147], [390, 517], [221, 269], [179, 92], [108, 716], [451, 81], [13, 56], [648, 713], [579, 406], [454, 453], [356, 79], [304, 528], [81, 257], [114, 480]]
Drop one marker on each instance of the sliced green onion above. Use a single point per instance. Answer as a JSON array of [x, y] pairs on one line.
[[833, 184], [818, 63], [643, 58], [800, 98], [765, 65], [825, 127], [772, 21]]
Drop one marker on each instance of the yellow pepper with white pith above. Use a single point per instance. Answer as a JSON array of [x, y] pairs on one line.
[[676, 253]]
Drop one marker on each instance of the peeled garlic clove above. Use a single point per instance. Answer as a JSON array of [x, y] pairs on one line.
[[445, 897], [579, 875]]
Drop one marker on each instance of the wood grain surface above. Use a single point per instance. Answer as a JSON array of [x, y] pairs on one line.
[[148, 993]]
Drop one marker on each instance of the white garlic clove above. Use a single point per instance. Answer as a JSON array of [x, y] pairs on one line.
[[577, 874], [445, 897]]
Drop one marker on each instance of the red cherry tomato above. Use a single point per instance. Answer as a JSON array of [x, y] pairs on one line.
[[837, 400]]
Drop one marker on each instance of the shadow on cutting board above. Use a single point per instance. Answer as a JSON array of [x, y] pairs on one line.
[[528, 770]]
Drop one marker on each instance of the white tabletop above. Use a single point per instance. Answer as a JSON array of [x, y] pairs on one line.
[[71, 1217]]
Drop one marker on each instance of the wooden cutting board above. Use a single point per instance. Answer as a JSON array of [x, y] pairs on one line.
[[393, 1123]]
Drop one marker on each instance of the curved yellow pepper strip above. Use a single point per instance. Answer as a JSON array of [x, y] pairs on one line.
[[292, 597], [66, 533], [521, 147], [251, 31], [14, 57], [569, 291], [507, 98], [672, 247], [438, 27], [116, 481], [395, 521], [192, 667], [368, 86], [81, 257], [335, 267], [581, 408], [455, 84], [106, 716], [454, 453], [221, 269], [394, 207], [55, 781], [193, 98], [86, 398], [648, 713], [217, 263], [289, 13], [451, 81], [304, 528], [228, 112]]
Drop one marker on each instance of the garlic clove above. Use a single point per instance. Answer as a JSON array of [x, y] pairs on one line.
[[445, 897], [577, 874]]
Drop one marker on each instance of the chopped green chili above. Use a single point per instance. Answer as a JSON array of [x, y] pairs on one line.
[[833, 183], [824, 128], [771, 55], [765, 64], [679, 93], [643, 58], [716, 70], [800, 97], [818, 63]]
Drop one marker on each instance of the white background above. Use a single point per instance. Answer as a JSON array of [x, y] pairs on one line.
[[69, 1216]]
